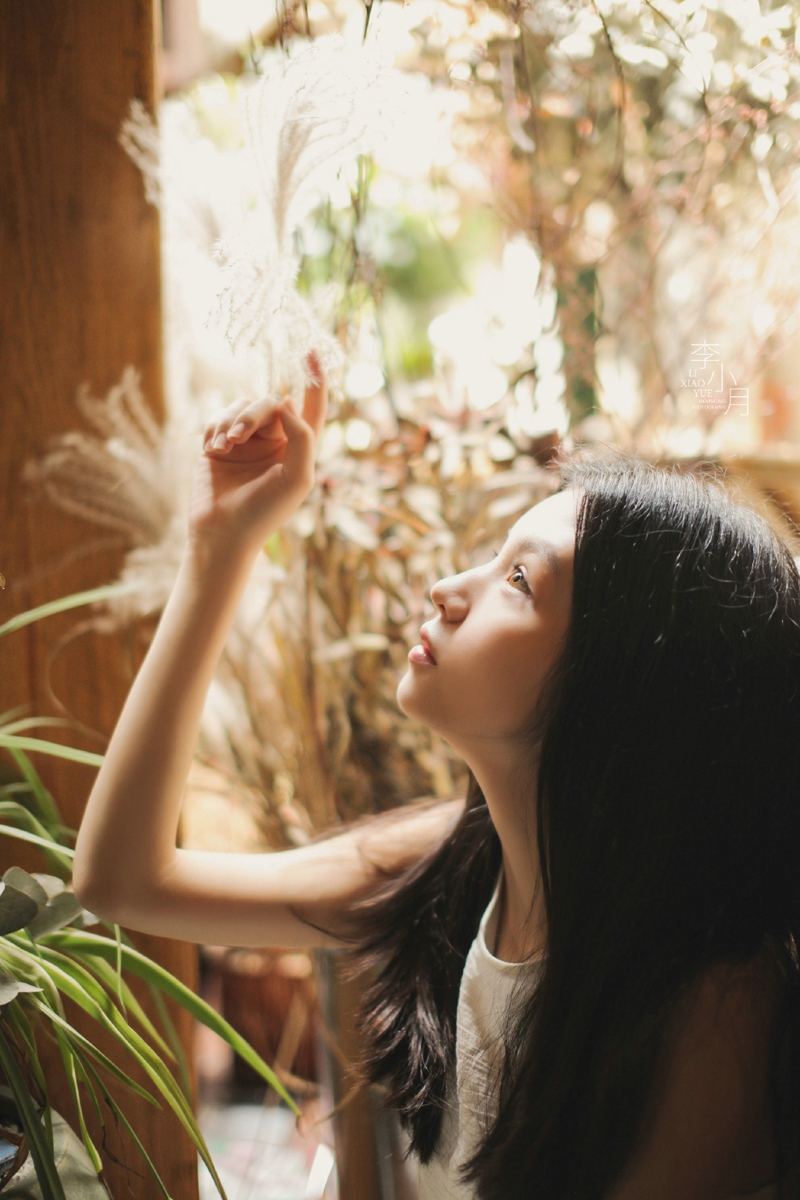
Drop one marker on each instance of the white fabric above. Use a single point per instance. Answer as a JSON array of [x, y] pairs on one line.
[[486, 989]]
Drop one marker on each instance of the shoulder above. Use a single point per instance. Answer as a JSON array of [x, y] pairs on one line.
[[707, 1130]]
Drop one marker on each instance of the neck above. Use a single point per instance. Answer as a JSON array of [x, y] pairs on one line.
[[522, 925]]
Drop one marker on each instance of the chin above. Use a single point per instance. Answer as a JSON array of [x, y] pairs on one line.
[[416, 711], [404, 694], [400, 692]]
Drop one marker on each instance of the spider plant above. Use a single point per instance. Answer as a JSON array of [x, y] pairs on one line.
[[49, 949]]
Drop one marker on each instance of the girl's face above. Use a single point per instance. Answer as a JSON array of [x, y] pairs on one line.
[[497, 630]]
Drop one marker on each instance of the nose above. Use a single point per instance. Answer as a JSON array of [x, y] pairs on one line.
[[449, 596]]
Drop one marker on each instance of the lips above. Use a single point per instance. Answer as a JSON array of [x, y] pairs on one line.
[[426, 642]]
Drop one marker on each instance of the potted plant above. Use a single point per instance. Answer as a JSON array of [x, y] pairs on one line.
[[51, 948]]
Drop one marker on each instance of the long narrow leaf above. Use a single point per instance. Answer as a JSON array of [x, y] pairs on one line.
[[165, 1082], [131, 1131], [79, 942], [13, 742], [77, 974], [160, 1005], [89, 1048], [11, 810], [68, 1059], [94, 1000], [80, 1068], [107, 592], [48, 811], [22, 835], [108, 978], [17, 1018], [118, 939], [46, 1173], [172, 1093], [29, 968], [17, 711], [65, 981], [36, 723]]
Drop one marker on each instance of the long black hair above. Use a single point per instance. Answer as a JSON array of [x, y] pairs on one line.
[[667, 791]]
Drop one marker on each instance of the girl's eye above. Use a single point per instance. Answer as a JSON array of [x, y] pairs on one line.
[[516, 571]]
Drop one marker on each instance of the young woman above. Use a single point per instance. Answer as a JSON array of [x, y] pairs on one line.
[[586, 974]]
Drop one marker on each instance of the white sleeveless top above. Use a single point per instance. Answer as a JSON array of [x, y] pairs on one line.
[[486, 990]]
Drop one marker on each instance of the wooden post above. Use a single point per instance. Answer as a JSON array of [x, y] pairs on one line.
[[357, 1167], [79, 301]]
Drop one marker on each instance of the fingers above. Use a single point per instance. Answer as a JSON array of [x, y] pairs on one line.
[[237, 423], [244, 419], [315, 403], [298, 457]]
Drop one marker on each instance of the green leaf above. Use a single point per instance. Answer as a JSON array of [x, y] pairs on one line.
[[22, 835], [160, 1005], [60, 911], [63, 978], [118, 939], [36, 723], [16, 909], [15, 877], [112, 1104], [23, 965], [81, 1067], [51, 883], [76, 600], [108, 978], [89, 1048], [171, 1092], [94, 1000], [67, 1057], [78, 942], [47, 808], [11, 810], [11, 987], [17, 711], [18, 1020], [46, 1173], [12, 742], [76, 983]]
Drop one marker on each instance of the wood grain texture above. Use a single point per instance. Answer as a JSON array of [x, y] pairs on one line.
[[79, 301]]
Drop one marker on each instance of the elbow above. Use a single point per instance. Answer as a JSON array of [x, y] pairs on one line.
[[104, 893], [96, 896], [117, 897]]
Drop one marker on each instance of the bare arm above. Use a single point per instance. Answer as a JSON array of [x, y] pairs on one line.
[[127, 867]]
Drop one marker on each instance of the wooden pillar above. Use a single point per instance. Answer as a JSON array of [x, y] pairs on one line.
[[362, 1174], [79, 301]]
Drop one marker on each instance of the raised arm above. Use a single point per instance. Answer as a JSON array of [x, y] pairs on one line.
[[127, 868]]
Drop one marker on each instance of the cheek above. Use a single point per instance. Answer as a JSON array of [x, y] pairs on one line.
[[489, 678], [501, 673]]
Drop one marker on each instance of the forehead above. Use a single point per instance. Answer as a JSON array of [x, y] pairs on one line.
[[552, 521]]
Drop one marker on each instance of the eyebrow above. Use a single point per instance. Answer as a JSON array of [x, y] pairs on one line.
[[531, 544]]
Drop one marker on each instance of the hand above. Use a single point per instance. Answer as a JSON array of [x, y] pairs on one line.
[[257, 466]]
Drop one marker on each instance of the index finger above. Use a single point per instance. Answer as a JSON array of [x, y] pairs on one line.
[[315, 402]]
